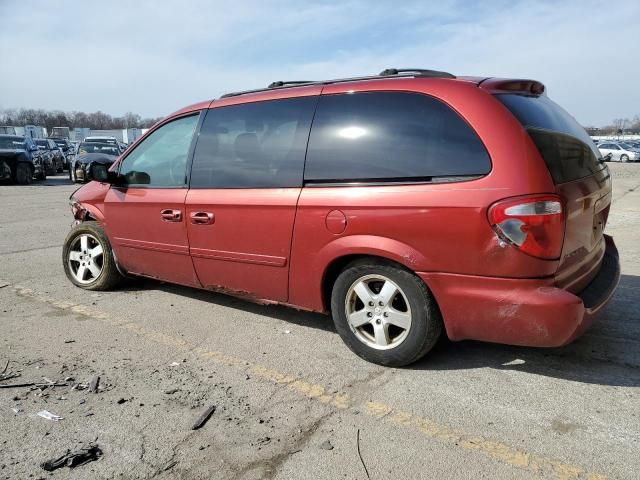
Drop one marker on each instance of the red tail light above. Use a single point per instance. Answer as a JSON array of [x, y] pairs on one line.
[[533, 223]]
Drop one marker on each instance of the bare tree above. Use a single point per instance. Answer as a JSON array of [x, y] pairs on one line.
[[96, 120]]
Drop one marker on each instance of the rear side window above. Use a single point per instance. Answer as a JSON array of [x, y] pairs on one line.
[[253, 145], [387, 136], [567, 149]]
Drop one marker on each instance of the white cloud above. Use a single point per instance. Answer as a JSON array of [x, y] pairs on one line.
[[154, 57]]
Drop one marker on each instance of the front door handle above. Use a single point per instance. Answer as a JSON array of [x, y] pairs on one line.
[[169, 215], [202, 218]]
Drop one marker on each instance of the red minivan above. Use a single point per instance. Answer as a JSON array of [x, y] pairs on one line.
[[402, 203]]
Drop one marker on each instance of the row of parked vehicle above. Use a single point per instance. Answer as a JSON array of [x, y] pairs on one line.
[[620, 151], [23, 158]]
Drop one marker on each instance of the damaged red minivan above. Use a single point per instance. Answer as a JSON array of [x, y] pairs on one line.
[[402, 203]]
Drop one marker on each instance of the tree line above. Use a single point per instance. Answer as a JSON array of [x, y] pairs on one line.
[[57, 118], [618, 126]]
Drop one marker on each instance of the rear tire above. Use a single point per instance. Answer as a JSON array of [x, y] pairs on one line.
[[396, 324], [88, 260], [624, 158], [24, 174]]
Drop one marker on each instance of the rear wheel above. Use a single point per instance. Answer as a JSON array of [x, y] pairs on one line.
[[24, 174], [88, 260], [384, 313], [624, 158]]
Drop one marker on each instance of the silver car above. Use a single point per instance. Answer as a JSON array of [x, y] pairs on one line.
[[620, 152]]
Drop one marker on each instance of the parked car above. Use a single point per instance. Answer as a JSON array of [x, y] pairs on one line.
[[20, 159], [619, 151], [91, 152], [396, 202], [54, 159], [66, 148]]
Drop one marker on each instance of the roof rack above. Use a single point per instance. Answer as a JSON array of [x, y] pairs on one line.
[[419, 72], [389, 72], [288, 83]]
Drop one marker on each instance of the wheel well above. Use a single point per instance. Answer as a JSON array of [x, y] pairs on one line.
[[338, 265]]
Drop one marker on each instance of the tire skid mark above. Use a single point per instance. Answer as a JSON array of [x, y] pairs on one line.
[[338, 400]]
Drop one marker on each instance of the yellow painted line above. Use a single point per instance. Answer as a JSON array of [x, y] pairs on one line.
[[384, 413]]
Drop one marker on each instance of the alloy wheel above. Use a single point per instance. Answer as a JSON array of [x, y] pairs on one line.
[[86, 258], [378, 312]]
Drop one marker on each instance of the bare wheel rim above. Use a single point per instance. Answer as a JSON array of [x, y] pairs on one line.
[[378, 312], [86, 258]]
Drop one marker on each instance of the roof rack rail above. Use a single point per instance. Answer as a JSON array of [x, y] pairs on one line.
[[389, 72], [280, 83], [419, 72]]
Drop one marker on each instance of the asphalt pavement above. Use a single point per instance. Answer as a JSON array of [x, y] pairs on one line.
[[291, 401]]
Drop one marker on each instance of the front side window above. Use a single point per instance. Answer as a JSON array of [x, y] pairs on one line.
[[253, 145], [387, 136], [160, 160]]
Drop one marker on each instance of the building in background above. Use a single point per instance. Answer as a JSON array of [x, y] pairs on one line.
[[126, 135]]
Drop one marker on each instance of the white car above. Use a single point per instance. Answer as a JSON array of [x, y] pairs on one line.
[[620, 152]]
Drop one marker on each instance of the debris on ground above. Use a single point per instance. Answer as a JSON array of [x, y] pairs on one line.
[[366, 471], [174, 364], [74, 458], [48, 383], [326, 445], [121, 401], [4, 375], [202, 419], [49, 416], [93, 384], [171, 391]]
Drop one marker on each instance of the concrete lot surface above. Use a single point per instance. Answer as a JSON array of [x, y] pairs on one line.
[[291, 400]]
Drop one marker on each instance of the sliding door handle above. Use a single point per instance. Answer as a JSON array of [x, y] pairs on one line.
[[202, 218], [169, 215]]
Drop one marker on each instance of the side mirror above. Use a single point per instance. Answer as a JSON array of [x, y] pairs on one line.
[[98, 172]]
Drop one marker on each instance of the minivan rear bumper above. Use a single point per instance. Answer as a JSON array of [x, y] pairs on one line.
[[528, 312]]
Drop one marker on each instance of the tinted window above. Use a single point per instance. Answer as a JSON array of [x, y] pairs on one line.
[[565, 146], [253, 145], [390, 135], [160, 159]]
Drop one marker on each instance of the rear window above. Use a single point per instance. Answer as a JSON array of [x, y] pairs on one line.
[[390, 136], [567, 149]]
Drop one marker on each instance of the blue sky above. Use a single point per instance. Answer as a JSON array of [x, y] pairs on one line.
[[152, 57]]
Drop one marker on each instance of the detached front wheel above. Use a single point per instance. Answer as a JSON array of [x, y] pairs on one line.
[[88, 259], [384, 313]]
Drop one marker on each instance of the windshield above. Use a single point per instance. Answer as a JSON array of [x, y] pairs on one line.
[[95, 147], [12, 142]]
